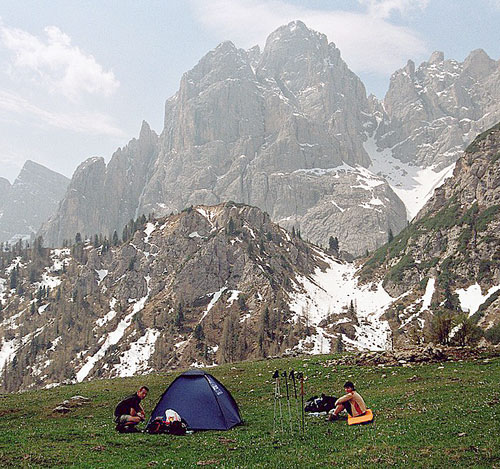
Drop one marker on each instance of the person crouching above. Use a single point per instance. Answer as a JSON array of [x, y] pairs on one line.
[[129, 412]]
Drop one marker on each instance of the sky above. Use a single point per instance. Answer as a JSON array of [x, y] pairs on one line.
[[78, 78]]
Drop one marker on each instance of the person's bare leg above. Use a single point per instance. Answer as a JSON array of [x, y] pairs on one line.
[[134, 418], [336, 412]]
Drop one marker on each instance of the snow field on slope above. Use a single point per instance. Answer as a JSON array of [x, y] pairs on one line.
[[414, 185], [136, 358], [330, 292], [115, 336], [3, 282]]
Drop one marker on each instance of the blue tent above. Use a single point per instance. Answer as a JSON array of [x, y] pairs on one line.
[[202, 401]]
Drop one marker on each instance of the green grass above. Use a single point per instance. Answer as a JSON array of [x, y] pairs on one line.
[[447, 416]]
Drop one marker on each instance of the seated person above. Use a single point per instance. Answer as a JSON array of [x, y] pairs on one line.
[[130, 412], [352, 402]]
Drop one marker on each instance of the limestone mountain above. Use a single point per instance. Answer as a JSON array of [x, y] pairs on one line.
[[438, 108], [30, 201], [290, 129], [102, 198], [263, 128], [428, 117], [4, 191], [212, 284], [448, 259]]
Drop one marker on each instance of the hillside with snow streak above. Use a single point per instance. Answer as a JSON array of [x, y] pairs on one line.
[[213, 284]]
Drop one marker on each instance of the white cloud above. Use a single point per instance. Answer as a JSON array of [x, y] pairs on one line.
[[369, 42], [56, 63], [385, 8], [91, 123]]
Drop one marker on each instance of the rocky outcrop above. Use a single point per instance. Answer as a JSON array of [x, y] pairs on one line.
[[31, 200], [431, 353], [434, 111], [208, 285], [5, 187], [101, 199]]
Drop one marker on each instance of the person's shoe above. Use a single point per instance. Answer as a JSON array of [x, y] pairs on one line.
[[132, 429], [120, 428], [332, 418]]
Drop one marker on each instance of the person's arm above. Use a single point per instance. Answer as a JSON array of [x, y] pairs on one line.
[[142, 413], [342, 399]]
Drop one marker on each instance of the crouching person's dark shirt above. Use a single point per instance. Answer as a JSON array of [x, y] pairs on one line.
[[130, 402]]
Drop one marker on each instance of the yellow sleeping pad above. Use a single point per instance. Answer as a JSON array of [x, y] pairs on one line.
[[365, 418]]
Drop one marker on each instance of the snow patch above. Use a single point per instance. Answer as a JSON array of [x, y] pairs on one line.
[[150, 227], [342, 210], [471, 297], [113, 337], [110, 315], [48, 281], [326, 294], [136, 358], [209, 213], [429, 291], [7, 352], [2, 291], [214, 300], [245, 317], [234, 296], [102, 275], [414, 185]]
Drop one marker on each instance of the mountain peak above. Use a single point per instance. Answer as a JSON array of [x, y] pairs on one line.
[[436, 57], [94, 161], [31, 165], [224, 47], [478, 63], [294, 29], [32, 171], [145, 130]]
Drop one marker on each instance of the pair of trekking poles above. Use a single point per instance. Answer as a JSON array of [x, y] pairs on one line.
[[299, 405]]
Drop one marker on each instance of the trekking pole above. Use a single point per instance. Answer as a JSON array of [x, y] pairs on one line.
[[277, 400], [285, 374], [301, 377], [292, 377]]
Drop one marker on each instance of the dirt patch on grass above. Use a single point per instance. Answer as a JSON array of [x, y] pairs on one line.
[[5, 412]]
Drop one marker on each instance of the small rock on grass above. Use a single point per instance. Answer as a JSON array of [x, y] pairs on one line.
[[60, 409]]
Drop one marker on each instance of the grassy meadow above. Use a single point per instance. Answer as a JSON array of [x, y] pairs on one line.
[[432, 415]]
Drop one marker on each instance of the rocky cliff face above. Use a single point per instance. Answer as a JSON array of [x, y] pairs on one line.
[[101, 199], [434, 111], [262, 128], [273, 128], [448, 259], [31, 200], [4, 192]]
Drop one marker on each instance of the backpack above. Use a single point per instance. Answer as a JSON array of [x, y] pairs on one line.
[[171, 424], [321, 403]]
